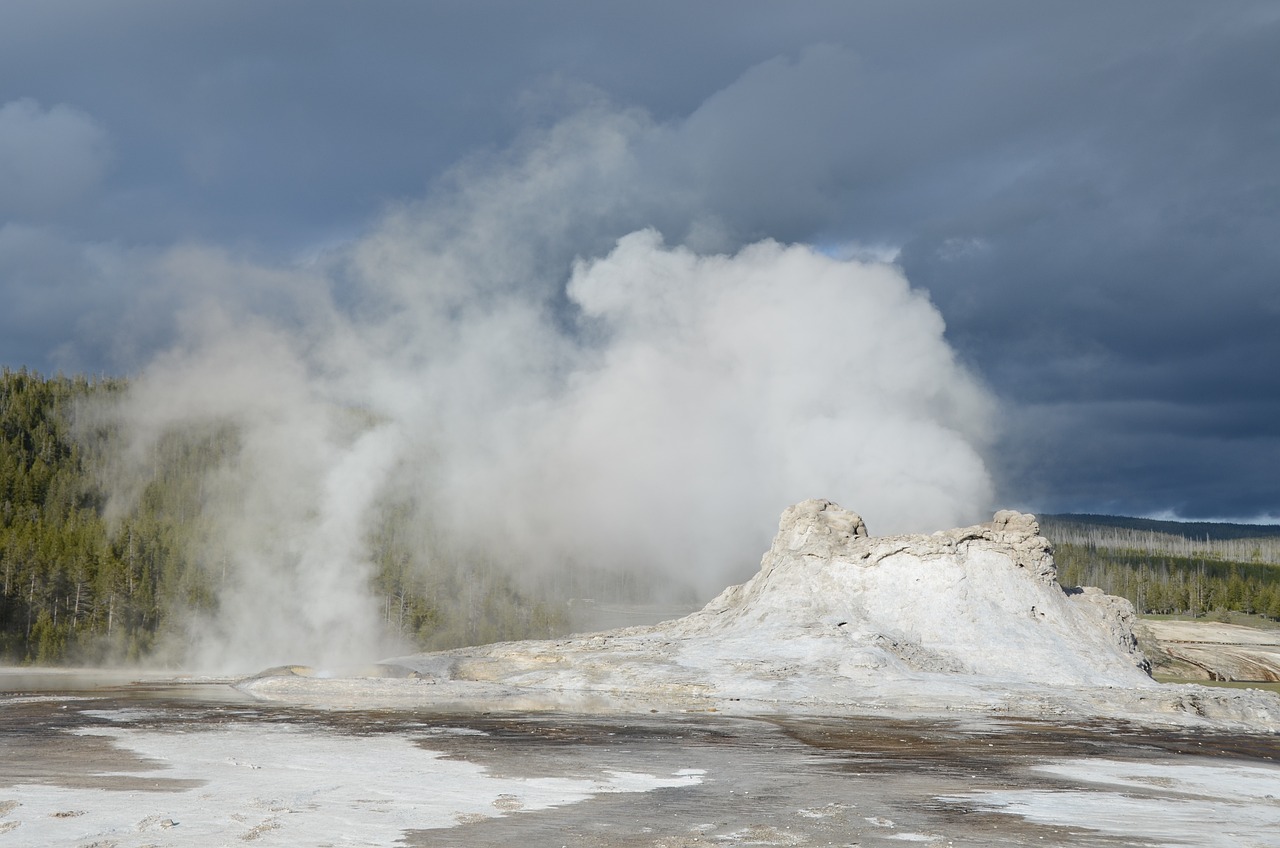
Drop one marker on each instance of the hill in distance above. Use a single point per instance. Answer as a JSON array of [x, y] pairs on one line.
[[1198, 530]]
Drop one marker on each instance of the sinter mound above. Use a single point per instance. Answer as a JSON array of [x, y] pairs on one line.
[[836, 622]]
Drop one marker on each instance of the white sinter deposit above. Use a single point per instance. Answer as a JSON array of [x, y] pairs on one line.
[[836, 622]]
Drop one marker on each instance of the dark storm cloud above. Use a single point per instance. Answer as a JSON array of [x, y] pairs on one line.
[[1157, 458], [1090, 192], [240, 121], [1135, 268]]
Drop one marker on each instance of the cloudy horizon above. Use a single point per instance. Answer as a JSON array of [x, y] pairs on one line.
[[1087, 197]]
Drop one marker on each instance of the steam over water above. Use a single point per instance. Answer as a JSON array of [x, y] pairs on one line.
[[558, 358]]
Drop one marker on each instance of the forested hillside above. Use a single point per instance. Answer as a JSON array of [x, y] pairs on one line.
[[1198, 531], [64, 577], [79, 588], [1169, 568]]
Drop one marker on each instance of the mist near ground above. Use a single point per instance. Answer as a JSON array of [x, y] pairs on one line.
[[556, 362]]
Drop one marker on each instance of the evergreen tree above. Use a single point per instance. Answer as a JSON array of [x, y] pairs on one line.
[[77, 590]]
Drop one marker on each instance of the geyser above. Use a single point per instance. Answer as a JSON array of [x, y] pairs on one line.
[[533, 393], [835, 622]]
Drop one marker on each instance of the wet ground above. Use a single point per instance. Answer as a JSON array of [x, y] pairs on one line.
[[114, 763]]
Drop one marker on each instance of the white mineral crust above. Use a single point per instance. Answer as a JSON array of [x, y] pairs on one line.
[[836, 621]]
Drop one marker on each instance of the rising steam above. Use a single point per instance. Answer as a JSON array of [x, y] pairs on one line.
[[540, 378]]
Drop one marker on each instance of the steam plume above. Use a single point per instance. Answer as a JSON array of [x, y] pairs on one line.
[[545, 392]]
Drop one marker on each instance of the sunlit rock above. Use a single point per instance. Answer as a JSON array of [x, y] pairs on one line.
[[836, 621]]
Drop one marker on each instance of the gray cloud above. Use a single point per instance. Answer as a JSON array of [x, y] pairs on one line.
[[49, 158]]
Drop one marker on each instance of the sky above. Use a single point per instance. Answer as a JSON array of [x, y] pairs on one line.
[[1087, 193]]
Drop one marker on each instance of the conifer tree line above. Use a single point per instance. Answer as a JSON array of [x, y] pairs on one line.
[[1197, 541], [1161, 573], [81, 587]]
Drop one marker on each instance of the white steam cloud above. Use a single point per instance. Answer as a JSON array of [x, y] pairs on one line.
[[542, 391]]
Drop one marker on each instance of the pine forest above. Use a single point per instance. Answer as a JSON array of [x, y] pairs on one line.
[[82, 586]]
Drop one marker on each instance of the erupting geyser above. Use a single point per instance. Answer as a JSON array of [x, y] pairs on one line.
[[836, 621]]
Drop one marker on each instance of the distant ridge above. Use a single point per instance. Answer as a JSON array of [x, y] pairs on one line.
[[1211, 530]]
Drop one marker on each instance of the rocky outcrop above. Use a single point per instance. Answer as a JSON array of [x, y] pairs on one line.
[[980, 600]]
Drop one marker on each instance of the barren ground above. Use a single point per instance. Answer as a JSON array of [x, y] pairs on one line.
[[1206, 650], [191, 764]]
